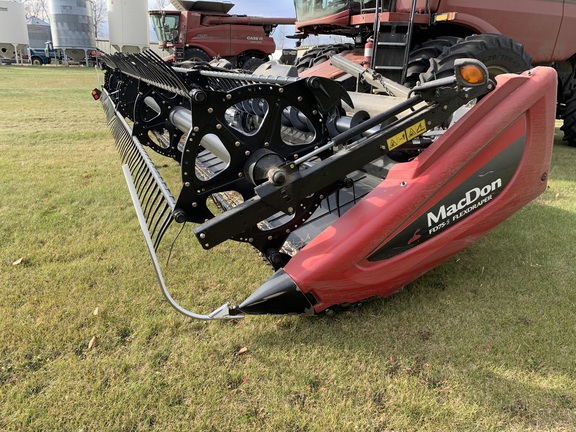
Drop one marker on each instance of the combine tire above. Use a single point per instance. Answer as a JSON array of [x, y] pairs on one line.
[[419, 59], [252, 64], [499, 53], [196, 55], [569, 126], [320, 54]]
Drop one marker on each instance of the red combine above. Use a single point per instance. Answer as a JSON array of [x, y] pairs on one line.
[[202, 30], [410, 41]]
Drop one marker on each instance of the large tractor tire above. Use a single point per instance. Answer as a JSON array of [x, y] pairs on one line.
[[252, 64], [569, 126], [499, 53], [320, 54], [196, 55], [419, 59]]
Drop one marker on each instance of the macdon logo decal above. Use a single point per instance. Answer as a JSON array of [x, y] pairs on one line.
[[255, 38], [473, 199], [474, 193]]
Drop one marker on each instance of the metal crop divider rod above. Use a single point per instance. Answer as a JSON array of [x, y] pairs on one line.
[[223, 312]]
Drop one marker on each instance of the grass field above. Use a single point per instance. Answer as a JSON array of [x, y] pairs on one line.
[[484, 342]]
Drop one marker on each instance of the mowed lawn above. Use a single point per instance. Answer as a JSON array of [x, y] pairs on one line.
[[484, 342]]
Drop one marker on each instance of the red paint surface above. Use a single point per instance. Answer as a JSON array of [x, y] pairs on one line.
[[334, 266]]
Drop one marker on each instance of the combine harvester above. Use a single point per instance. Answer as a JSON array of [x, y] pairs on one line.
[[349, 196]]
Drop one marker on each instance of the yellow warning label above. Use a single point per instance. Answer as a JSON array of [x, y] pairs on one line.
[[406, 135], [396, 140], [415, 130]]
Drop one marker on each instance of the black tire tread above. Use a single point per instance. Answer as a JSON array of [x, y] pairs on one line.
[[419, 59], [491, 49], [569, 125]]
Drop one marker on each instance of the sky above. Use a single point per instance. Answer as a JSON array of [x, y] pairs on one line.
[[280, 8], [273, 8]]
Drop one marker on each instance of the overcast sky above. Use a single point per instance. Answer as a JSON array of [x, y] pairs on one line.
[[275, 8]]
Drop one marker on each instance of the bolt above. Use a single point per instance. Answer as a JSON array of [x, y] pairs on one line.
[[218, 126], [210, 110], [228, 96], [187, 184], [279, 178], [196, 129], [202, 235], [403, 184], [247, 153], [179, 216], [237, 143]]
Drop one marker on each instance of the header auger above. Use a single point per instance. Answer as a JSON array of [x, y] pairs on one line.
[[348, 196]]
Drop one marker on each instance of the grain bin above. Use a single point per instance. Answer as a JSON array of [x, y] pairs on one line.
[[13, 31], [72, 28], [128, 25], [38, 32]]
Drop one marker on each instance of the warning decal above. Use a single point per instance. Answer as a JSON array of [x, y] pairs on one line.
[[406, 135]]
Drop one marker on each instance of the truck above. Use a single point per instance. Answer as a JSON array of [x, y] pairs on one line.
[[203, 30], [49, 55], [42, 56], [416, 41]]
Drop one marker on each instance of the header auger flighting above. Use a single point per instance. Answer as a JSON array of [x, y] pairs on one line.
[[348, 196]]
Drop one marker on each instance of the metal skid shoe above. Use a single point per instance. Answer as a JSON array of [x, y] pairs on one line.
[[343, 204]]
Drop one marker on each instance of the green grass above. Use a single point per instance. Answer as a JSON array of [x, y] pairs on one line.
[[484, 342]]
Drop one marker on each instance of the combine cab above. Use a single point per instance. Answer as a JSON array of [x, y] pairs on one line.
[[348, 196]]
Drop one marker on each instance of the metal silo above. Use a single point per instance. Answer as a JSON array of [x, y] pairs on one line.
[[38, 32], [72, 27], [13, 30], [128, 25]]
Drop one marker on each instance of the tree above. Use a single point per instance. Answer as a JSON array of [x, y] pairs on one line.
[[40, 9], [36, 8], [100, 16]]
